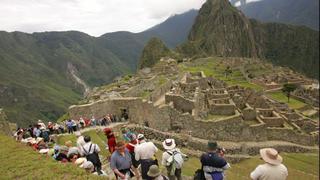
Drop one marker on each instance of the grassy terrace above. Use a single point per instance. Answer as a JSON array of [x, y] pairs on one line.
[[211, 67], [21, 162], [301, 166], [279, 96]]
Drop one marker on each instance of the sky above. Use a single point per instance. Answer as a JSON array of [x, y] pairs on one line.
[[94, 17]]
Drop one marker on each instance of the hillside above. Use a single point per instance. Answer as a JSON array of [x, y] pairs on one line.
[[152, 53], [222, 30], [37, 71], [296, 12]]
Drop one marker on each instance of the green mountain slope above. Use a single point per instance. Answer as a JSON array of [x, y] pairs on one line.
[[35, 79], [296, 12], [152, 53], [222, 30]]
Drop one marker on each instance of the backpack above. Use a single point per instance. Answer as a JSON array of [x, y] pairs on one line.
[[199, 175], [175, 161], [93, 157]]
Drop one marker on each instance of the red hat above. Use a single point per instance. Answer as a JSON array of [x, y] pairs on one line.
[[107, 130]]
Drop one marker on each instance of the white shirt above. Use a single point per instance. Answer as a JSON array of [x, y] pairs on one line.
[[270, 172], [166, 156], [86, 148], [145, 150]]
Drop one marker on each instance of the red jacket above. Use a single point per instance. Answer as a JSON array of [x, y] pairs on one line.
[[130, 146], [111, 143]]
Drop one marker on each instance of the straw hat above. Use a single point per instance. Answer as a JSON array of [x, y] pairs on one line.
[[80, 161], [87, 165], [271, 156], [154, 171], [78, 133], [169, 144]]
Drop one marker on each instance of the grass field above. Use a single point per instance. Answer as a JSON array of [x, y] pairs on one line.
[[21, 162], [279, 96], [301, 166]]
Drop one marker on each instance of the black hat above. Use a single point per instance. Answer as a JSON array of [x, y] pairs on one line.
[[87, 139], [212, 145]]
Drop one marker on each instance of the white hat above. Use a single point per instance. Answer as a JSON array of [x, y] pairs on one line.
[[140, 136], [77, 133], [80, 161], [169, 144], [42, 128], [39, 140], [87, 165], [44, 151], [271, 156]]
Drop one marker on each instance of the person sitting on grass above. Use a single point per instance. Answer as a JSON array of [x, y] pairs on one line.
[[61, 153]]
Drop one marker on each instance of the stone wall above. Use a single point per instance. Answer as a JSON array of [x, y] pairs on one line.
[[249, 113], [180, 103], [161, 91]]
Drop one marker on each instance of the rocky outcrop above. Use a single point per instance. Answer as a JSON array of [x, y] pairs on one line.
[[222, 30]]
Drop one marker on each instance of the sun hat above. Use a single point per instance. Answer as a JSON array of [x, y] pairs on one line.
[[80, 161], [39, 140], [68, 143], [50, 152], [271, 156], [64, 148], [44, 151], [42, 128], [140, 136], [154, 171], [212, 145], [87, 165], [169, 144]]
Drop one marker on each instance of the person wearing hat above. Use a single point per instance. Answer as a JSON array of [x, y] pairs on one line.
[[145, 153], [80, 141], [155, 174], [212, 163], [88, 166], [172, 159], [61, 153], [273, 169], [111, 139]]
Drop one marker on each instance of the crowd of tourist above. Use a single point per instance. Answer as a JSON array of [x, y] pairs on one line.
[[134, 155]]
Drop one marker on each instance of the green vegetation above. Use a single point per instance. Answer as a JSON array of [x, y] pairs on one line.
[[21, 162], [300, 166], [288, 89], [279, 96], [152, 53], [212, 67]]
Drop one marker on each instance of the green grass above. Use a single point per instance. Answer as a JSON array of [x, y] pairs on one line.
[[19, 161], [279, 96], [211, 67], [300, 166]]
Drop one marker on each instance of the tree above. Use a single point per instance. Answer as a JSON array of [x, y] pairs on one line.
[[288, 89]]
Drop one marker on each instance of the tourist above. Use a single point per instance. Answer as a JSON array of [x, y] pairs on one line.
[[91, 152], [81, 122], [50, 127], [88, 166], [273, 169], [93, 121], [104, 121], [121, 162], [61, 153], [36, 131], [145, 153], [131, 146], [172, 159], [155, 174], [41, 124], [111, 139], [213, 165], [69, 125], [74, 125], [80, 141]]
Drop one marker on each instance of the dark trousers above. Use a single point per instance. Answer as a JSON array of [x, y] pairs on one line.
[[145, 165], [177, 174]]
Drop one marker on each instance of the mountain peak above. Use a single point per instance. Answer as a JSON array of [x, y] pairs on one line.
[[222, 30]]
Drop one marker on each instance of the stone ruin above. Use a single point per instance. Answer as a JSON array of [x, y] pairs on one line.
[[207, 108]]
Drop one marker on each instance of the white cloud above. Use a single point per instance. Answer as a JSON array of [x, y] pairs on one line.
[[94, 17]]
